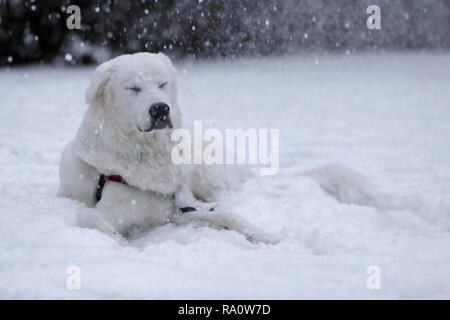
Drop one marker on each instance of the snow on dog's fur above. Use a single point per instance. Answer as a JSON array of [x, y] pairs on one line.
[[120, 136]]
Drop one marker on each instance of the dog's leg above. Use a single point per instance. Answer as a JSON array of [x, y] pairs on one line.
[[227, 221], [185, 198], [93, 219]]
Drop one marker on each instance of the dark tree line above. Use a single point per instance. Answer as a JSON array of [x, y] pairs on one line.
[[35, 30]]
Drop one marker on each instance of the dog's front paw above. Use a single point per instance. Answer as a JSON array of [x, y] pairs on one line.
[[206, 206]]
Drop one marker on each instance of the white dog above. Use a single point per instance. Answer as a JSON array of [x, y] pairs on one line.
[[119, 164]]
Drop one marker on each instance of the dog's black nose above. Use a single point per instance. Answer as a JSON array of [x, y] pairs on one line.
[[159, 110], [159, 113]]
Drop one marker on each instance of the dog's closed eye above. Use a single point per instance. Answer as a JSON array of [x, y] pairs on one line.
[[135, 89], [163, 85]]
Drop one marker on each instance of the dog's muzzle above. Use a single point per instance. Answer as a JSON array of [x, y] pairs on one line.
[[160, 116]]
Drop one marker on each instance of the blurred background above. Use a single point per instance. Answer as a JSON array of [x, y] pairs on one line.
[[34, 31]]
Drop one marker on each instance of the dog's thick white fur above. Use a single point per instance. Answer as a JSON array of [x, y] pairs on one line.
[[114, 139], [346, 185]]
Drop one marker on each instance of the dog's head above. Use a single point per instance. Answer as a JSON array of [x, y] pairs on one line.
[[137, 92]]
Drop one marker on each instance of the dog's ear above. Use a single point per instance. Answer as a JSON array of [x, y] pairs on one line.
[[99, 82]]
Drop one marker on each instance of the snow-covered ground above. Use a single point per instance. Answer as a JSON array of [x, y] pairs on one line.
[[386, 116]]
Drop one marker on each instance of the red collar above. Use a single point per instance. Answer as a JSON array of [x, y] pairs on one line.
[[102, 180], [115, 178]]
